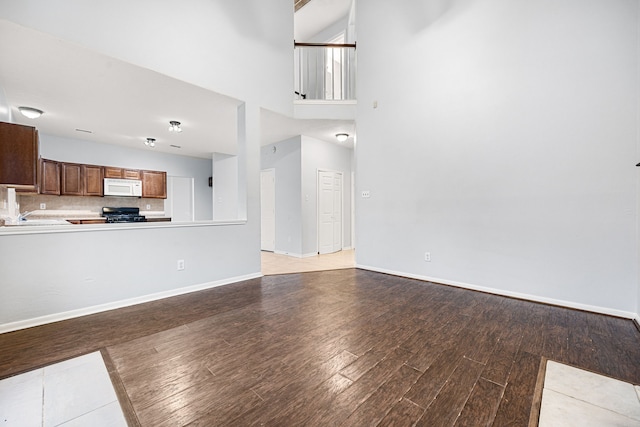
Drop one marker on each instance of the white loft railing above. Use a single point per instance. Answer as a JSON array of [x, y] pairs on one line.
[[325, 71]]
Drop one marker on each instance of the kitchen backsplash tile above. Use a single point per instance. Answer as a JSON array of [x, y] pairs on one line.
[[94, 205], [3, 201]]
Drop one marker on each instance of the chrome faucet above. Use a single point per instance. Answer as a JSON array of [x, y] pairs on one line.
[[23, 216]]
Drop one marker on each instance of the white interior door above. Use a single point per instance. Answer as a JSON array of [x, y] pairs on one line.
[[329, 212], [179, 203], [268, 210]]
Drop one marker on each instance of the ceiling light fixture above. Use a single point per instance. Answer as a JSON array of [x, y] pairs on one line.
[[150, 142], [174, 126], [32, 113], [342, 137]]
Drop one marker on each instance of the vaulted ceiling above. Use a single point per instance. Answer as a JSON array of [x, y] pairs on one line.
[[84, 95]]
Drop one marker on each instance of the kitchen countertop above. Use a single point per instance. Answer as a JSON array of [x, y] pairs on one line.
[[70, 228], [58, 221], [55, 217], [83, 214]]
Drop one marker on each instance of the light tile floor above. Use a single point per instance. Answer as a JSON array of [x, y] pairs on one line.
[[76, 392], [283, 264], [573, 397]]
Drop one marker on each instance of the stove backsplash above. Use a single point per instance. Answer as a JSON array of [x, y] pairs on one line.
[[30, 203]]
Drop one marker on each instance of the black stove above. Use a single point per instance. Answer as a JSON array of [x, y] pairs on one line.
[[122, 215]]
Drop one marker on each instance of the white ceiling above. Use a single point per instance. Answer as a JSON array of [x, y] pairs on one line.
[[123, 104], [317, 15], [118, 102], [279, 128]]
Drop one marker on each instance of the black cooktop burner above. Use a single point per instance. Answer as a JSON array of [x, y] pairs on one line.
[[122, 214]]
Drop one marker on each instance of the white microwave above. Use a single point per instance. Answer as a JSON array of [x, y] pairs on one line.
[[122, 187]]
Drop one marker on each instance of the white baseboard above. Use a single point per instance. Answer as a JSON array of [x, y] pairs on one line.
[[518, 295], [50, 318], [296, 255]]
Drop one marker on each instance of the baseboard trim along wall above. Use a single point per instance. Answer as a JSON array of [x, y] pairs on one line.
[[277, 252], [295, 255], [518, 295], [37, 321]]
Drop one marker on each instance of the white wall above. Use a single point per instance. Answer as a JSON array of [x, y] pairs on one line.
[[296, 162], [316, 155], [214, 44], [287, 163], [225, 186], [81, 151], [5, 110], [504, 143], [330, 32], [46, 276], [218, 44]]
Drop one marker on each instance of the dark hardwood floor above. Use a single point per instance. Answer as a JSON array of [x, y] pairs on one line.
[[342, 347]]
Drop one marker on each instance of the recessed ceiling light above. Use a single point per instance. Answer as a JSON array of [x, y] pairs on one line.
[[30, 112], [342, 137]]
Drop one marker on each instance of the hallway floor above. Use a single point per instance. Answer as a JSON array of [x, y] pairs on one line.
[[273, 263]]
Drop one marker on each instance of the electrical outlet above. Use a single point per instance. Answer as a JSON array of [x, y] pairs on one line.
[[366, 194], [43, 206], [148, 207], [180, 264], [427, 256]]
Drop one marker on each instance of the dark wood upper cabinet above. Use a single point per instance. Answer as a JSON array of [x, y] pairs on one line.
[[19, 156], [71, 179], [93, 180], [154, 184], [111, 172], [81, 180], [74, 179], [131, 174], [49, 177]]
